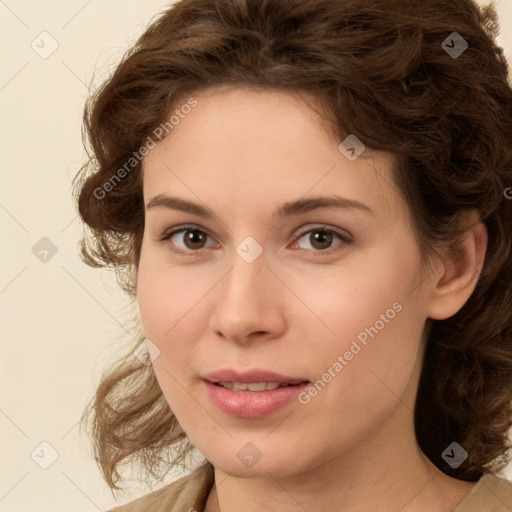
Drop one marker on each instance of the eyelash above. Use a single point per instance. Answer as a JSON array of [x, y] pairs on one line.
[[344, 238]]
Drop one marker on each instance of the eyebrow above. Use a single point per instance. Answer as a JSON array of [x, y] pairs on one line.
[[285, 210]]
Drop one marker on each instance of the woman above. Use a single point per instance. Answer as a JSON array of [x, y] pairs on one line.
[[308, 202]]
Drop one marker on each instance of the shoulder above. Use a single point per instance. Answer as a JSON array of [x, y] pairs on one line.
[[491, 493], [186, 494]]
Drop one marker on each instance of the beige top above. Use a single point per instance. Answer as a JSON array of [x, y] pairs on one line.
[[190, 493]]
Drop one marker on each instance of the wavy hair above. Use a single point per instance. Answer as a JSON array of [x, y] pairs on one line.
[[382, 70]]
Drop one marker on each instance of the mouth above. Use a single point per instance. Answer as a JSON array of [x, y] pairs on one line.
[[252, 394], [258, 377], [255, 387]]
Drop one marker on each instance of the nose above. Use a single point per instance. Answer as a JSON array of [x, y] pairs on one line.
[[249, 303]]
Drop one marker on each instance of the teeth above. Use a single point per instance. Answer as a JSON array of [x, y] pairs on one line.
[[253, 386]]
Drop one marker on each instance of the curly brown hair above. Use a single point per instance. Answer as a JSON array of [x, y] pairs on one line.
[[381, 70]]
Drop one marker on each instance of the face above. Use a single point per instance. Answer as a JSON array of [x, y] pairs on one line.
[[332, 298]]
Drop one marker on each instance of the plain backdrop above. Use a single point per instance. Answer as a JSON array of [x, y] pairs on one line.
[[61, 321]]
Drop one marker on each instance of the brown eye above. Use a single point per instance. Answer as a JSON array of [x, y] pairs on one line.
[[194, 239], [321, 239], [189, 240], [186, 240]]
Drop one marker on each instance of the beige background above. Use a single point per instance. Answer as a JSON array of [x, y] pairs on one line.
[[61, 321]]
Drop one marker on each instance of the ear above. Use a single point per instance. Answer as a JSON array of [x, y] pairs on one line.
[[458, 274]]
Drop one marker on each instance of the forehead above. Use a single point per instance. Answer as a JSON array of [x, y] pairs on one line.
[[243, 147]]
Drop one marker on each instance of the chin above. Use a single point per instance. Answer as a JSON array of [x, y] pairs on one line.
[[250, 462]]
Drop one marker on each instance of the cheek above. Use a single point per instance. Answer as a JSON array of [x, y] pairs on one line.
[[152, 300], [166, 295], [363, 296], [376, 319], [163, 301], [173, 306]]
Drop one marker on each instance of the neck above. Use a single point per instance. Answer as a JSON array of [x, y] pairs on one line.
[[385, 472]]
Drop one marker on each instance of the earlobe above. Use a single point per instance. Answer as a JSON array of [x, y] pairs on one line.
[[461, 271]]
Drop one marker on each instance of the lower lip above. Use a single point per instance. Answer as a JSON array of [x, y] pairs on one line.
[[252, 404]]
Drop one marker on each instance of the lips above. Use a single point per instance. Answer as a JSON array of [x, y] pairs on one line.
[[251, 377], [251, 386], [253, 393]]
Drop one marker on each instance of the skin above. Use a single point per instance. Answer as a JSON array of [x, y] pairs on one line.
[[243, 152]]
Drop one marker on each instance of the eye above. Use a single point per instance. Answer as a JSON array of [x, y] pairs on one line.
[[321, 238], [194, 239]]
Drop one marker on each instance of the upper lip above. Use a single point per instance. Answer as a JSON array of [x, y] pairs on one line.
[[249, 376]]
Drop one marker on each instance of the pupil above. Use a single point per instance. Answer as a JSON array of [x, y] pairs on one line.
[[318, 236], [191, 235], [321, 237]]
